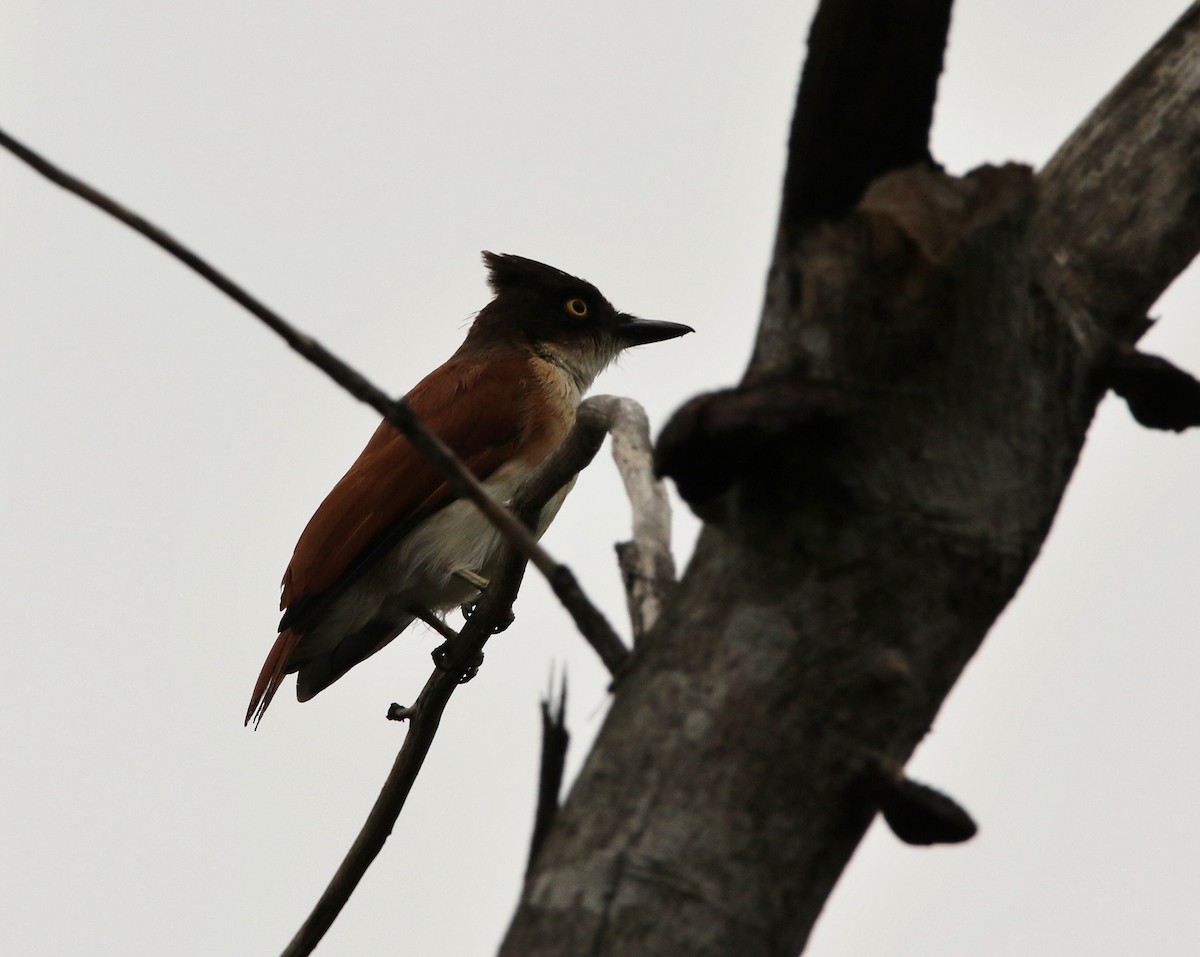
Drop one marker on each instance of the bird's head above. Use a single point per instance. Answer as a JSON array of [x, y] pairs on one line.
[[562, 317]]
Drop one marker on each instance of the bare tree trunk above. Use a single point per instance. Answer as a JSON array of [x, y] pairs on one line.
[[930, 356]]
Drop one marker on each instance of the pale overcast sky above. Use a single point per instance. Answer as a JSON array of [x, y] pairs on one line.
[[162, 451]]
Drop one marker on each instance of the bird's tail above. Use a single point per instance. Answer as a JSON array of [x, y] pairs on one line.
[[274, 669]]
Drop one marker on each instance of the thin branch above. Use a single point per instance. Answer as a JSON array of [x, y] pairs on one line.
[[647, 566], [425, 713], [593, 419], [396, 411]]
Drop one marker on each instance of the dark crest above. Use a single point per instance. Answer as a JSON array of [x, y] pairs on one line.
[[509, 273]]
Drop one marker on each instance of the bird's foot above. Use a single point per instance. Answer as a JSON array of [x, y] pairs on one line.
[[502, 625], [443, 660]]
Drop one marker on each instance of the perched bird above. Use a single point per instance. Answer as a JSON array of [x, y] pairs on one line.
[[392, 543]]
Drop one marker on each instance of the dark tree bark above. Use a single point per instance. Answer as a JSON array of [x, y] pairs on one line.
[[931, 353]]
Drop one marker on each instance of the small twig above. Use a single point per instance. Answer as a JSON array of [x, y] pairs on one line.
[[396, 411], [399, 712], [647, 566], [555, 739], [424, 715], [591, 622]]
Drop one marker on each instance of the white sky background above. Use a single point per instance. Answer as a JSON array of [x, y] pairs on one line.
[[162, 451]]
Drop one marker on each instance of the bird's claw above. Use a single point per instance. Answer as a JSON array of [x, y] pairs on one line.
[[443, 660], [502, 625]]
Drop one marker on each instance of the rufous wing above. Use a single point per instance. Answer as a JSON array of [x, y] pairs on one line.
[[480, 409]]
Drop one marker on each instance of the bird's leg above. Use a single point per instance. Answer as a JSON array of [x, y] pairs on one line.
[[443, 660], [475, 580], [502, 625], [478, 581], [471, 578], [434, 622], [442, 657]]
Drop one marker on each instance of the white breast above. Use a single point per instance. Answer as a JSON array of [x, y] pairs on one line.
[[458, 538], [419, 571]]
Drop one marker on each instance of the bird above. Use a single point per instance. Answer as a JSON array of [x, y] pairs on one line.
[[392, 543]]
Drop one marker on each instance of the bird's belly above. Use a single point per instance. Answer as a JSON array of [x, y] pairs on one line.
[[419, 572], [421, 569]]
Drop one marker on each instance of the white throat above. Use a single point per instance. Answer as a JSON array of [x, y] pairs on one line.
[[581, 365]]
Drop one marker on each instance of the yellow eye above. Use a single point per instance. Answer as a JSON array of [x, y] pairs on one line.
[[577, 308]]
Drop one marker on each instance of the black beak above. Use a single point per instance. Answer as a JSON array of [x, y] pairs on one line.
[[632, 331]]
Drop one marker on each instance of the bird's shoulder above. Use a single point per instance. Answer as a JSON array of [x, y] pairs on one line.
[[484, 410]]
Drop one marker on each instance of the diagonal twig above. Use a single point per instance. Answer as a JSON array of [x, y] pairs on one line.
[[397, 412], [593, 420]]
